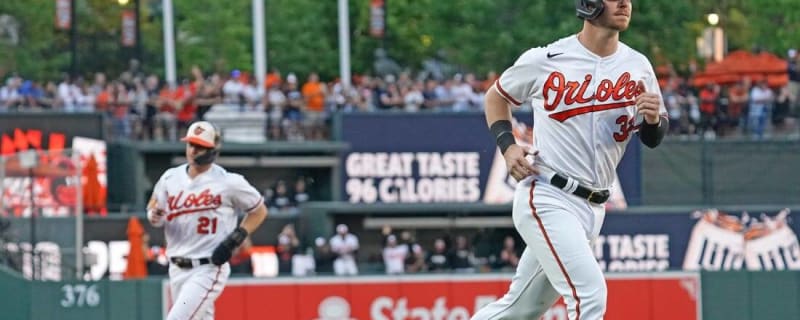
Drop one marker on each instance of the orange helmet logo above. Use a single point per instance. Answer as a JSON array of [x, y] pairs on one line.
[[198, 130]]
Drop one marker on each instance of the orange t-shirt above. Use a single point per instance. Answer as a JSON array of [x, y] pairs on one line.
[[315, 97], [102, 100]]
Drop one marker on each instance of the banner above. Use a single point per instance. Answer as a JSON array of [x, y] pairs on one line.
[[636, 296], [52, 139], [63, 14], [443, 157], [701, 240], [377, 18], [128, 36]]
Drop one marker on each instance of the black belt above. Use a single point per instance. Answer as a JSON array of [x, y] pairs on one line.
[[598, 197], [187, 263]]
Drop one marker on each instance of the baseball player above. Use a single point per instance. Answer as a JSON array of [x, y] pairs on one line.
[[590, 93], [197, 203]]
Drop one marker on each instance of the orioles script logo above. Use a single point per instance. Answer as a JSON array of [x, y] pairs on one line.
[[180, 205], [574, 92]]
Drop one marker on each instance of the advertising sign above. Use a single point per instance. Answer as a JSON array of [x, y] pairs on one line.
[[701, 240], [52, 140], [630, 296], [442, 157]]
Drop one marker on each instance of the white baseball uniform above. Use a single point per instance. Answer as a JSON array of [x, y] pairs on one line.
[[199, 214], [345, 246], [584, 116]]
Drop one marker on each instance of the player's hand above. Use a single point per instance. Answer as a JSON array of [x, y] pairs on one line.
[[156, 217], [224, 250], [648, 104], [517, 163]]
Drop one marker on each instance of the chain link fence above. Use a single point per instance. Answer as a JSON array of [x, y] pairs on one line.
[[721, 173]]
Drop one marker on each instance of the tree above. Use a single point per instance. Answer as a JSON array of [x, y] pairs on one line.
[[302, 35]]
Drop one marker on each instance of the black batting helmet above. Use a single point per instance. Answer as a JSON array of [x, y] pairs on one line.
[[589, 9]]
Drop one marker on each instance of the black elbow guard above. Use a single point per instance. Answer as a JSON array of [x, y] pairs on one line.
[[652, 134]]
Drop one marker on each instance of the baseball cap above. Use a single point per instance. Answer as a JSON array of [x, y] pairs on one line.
[[201, 133]]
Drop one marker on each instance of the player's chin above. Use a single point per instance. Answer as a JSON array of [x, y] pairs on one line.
[[620, 26]]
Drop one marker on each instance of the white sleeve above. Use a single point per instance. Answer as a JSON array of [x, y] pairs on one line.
[[517, 82], [354, 242], [244, 196], [158, 200]]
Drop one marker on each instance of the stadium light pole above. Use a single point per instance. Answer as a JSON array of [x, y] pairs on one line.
[[169, 42], [259, 45], [344, 44]]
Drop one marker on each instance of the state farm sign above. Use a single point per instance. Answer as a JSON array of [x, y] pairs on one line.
[[654, 296]]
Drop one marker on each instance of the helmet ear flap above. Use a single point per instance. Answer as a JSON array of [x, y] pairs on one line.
[[589, 9]]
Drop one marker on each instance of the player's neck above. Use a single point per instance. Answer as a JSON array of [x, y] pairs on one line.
[[196, 170], [600, 41]]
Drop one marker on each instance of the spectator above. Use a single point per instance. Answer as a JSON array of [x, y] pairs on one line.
[[10, 98], [288, 246], [780, 112], [708, 108], [288, 231], [233, 89], [165, 120], [120, 111], [280, 198], [151, 106], [394, 255], [314, 94], [51, 101], [761, 97], [439, 259], [285, 253], [793, 69], [323, 256], [275, 109], [445, 96], [509, 255], [462, 93], [463, 258], [737, 101], [345, 245], [391, 99], [415, 259], [293, 115], [300, 194], [413, 98], [185, 104], [31, 94], [429, 94], [68, 93]]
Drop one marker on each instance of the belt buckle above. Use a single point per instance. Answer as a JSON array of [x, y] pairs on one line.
[[591, 194]]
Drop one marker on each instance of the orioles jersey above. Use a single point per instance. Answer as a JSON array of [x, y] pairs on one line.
[[199, 213], [583, 105]]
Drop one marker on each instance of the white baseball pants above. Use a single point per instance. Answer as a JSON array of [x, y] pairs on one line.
[[558, 259], [195, 290]]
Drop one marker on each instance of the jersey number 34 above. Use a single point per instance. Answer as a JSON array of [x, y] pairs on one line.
[[206, 225]]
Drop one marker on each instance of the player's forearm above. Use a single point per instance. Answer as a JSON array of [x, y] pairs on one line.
[[254, 218], [498, 117], [495, 107]]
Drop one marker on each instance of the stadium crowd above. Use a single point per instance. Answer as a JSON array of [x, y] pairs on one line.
[[143, 107]]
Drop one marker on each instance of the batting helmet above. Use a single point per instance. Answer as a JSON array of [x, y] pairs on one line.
[[589, 9]]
